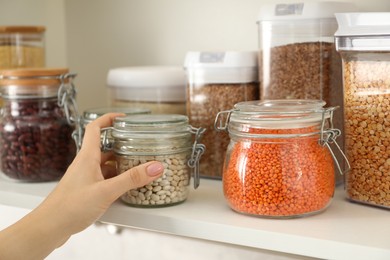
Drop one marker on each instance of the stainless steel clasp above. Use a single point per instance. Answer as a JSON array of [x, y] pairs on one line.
[[198, 150], [221, 123]]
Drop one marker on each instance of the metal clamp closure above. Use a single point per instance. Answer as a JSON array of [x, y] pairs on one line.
[[221, 125], [106, 144], [197, 151], [66, 97], [329, 136]]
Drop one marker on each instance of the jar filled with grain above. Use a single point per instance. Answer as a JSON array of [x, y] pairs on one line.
[[363, 42], [279, 162], [22, 47], [297, 56], [161, 89], [167, 138], [36, 124], [215, 82]]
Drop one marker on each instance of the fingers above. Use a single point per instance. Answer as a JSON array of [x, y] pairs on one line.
[[91, 141], [133, 178]]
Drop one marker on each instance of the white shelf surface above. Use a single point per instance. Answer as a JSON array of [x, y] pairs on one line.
[[344, 231]]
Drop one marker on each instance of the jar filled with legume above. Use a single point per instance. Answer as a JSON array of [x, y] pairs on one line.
[[167, 138], [363, 41], [279, 162], [37, 121]]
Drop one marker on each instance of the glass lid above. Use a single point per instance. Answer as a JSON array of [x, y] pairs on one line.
[[280, 113], [93, 113], [152, 123]]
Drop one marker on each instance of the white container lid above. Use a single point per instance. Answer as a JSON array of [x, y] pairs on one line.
[[302, 10], [363, 31], [362, 24], [148, 83], [221, 67]]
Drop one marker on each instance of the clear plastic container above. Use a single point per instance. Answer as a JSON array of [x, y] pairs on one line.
[[215, 82], [22, 47], [279, 162], [363, 40], [297, 56], [167, 138], [36, 142], [158, 88]]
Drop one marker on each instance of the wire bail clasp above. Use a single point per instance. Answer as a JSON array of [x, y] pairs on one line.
[[106, 140], [219, 124], [328, 136], [66, 97], [198, 150]]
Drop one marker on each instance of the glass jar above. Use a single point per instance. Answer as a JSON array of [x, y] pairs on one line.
[[297, 56], [158, 88], [167, 138], [22, 47], [35, 134], [91, 114], [215, 82], [279, 162], [363, 42]]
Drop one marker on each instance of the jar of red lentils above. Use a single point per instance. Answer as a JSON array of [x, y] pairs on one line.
[[279, 162], [37, 121]]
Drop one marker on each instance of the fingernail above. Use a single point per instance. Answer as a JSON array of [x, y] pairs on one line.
[[154, 169]]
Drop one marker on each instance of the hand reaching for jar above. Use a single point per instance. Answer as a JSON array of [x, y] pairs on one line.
[[82, 195]]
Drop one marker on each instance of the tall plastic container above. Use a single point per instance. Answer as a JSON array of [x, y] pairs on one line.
[[297, 56], [215, 82], [363, 40]]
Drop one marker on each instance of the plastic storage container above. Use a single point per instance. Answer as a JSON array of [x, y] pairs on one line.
[[215, 82], [158, 88], [297, 56], [363, 40], [22, 47], [167, 138], [35, 134], [278, 162]]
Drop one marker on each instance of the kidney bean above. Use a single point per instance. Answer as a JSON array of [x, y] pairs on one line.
[[35, 140]]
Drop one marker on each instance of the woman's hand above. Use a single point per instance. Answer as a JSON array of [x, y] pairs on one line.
[[85, 192]]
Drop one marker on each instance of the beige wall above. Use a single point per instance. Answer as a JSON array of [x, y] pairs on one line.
[[49, 13], [92, 36], [105, 34]]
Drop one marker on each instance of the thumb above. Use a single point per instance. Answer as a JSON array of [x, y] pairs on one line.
[[134, 178]]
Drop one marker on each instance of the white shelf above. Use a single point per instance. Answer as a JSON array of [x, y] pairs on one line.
[[344, 231]]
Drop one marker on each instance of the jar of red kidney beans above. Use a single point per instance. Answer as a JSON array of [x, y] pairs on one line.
[[37, 121]]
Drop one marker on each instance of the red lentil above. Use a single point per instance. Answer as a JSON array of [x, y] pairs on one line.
[[279, 177]]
